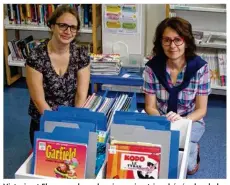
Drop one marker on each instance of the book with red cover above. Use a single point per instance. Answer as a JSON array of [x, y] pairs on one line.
[[133, 161], [60, 159]]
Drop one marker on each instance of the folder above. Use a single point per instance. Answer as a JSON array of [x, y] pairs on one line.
[[149, 122], [169, 141], [98, 119], [50, 125]]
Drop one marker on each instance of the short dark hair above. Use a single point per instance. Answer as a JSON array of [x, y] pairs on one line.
[[59, 11], [183, 28], [149, 164]]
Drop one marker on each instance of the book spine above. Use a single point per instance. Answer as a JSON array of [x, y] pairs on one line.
[[45, 11], [12, 51], [11, 13], [28, 14], [22, 17], [90, 15], [82, 16], [86, 15], [35, 14], [49, 10], [18, 20], [41, 15]]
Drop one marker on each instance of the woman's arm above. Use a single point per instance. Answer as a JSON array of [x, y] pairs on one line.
[[200, 108], [34, 81], [204, 89], [151, 104], [83, 77], [149, 88]]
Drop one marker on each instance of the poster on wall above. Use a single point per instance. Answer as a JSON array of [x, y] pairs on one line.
[[121, 18]]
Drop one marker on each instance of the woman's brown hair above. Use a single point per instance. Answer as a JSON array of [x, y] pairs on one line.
[[59, 11], [183, 28]]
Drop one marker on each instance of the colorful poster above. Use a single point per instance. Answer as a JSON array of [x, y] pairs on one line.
[[122, 19], [60, 159]]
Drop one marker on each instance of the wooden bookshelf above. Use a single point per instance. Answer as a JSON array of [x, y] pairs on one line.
[[38, 28], [95, 30]]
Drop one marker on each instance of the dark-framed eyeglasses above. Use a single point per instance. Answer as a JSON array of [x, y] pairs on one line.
[[64, 27], [167, 41]]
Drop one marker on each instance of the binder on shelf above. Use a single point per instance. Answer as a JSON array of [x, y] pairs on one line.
[[64, 137]]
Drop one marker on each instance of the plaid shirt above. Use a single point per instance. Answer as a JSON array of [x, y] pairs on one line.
[[199, 85]]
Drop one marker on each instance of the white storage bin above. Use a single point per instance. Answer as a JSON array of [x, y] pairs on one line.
[[184, 126], [24, 172]]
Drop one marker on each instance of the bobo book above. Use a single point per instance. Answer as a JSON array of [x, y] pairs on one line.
[[60, 159], [133, 161]]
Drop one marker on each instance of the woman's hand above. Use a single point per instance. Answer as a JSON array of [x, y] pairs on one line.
[[172, 116]]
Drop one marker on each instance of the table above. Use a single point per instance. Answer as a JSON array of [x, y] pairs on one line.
[[135, 79]]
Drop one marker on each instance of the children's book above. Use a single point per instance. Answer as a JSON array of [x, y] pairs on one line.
[[60, 159], [130, 160]]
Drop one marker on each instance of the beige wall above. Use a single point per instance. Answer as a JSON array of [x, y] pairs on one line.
[[155, 13]]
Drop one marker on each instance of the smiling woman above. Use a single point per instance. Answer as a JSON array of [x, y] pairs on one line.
[[58, 69], [176, 81]]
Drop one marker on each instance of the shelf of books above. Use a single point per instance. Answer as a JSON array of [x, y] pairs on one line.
[[210, 37], [33, 17], [219, 90], [187, 7], [217, 63], [39, 28], [73, 142], [20, 49], [210, 45], [18, 63]]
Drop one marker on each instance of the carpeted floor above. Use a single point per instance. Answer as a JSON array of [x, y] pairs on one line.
[[17, 145]]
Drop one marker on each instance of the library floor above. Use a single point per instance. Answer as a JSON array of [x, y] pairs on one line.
[[17, 145]]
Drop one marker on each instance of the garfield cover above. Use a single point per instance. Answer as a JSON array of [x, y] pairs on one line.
[[60, 159]]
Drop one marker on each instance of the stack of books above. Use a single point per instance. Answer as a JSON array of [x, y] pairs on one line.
[[102, 64]]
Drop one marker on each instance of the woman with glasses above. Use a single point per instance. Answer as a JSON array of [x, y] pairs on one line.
[[57, 71], [176, 81]]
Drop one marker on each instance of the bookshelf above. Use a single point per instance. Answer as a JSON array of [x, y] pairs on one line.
[[210, 21], [197, 8], [95, 32], [38, 28]]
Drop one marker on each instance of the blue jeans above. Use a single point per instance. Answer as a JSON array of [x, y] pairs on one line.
[[197, 132]]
